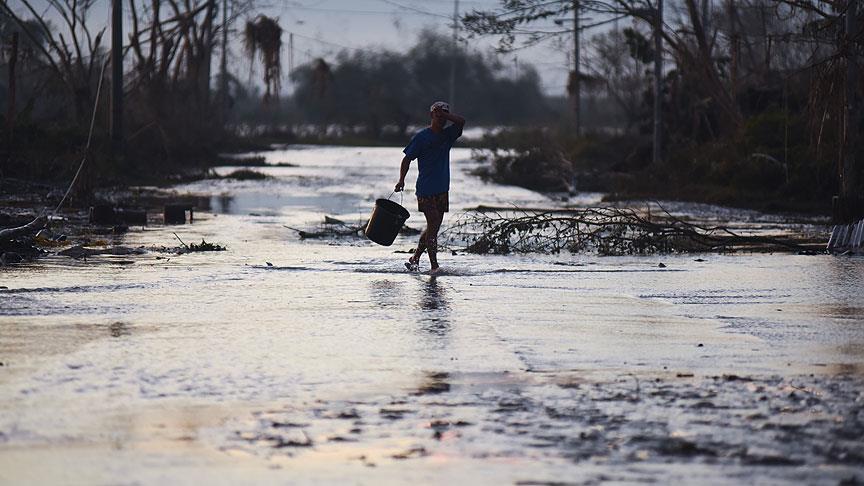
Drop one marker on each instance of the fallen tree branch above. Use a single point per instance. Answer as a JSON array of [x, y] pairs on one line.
[[606, 231]]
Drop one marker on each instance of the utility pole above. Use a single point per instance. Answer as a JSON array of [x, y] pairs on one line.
[[658, 83], [117, 77], [452, 99], [848, 181], [577, 74], [290, 53]]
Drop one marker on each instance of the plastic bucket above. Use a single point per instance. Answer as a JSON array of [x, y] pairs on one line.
[[387, 219]]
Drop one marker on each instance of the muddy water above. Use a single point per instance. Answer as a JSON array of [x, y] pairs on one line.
[[288, 360]]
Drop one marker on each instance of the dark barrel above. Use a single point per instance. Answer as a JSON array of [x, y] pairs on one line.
[[386, 221]]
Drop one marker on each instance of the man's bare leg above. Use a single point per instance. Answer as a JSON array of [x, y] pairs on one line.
[[414, 261], [433, 224]]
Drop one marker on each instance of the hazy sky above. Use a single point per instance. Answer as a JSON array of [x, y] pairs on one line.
[[324, 27]]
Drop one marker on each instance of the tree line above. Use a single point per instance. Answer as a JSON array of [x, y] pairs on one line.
[[762, 94], [752, 90]]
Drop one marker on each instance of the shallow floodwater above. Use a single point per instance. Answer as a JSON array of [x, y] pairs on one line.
[[288, 360]]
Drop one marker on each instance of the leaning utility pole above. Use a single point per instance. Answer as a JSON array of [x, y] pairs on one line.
[[577, 74], [658, 83], [453, 54], [117, 77]]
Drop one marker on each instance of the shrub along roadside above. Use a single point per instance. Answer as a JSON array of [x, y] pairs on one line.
[[769, 166]]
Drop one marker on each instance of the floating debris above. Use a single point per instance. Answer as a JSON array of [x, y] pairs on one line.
[[847, 238], [203, 246]]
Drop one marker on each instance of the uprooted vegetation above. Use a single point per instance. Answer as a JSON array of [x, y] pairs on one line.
[[606, 231]]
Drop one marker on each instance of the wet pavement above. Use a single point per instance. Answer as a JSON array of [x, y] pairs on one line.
[[288, 360]]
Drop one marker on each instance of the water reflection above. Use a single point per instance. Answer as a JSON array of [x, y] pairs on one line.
[[435, 309], [386, 293], [224, 203], [434, 296]]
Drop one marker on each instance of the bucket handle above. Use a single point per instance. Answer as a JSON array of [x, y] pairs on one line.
[[401, 196]]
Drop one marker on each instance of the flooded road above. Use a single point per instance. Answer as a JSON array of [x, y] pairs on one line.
[[288, 360]]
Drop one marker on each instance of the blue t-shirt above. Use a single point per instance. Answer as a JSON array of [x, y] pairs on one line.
[[432, 151]]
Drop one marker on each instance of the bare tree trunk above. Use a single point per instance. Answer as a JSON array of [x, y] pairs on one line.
[[656, 155], [712, 81], [734, 49], [848, 182], [10, 108], [577, 74], [453, 48], [223, 66], [117, 77]]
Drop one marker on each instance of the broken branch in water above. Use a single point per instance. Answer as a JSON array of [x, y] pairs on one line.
[[181, 241], [607, 231], [204, 246]]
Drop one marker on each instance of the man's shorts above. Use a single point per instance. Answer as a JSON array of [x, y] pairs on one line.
[[436, 202]]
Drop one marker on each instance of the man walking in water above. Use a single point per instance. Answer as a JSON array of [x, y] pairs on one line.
[[431, 147]]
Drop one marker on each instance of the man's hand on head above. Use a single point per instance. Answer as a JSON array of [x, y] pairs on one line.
[[458, 120]]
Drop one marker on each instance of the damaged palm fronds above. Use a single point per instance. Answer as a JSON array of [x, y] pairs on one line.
[[263, 36], [604, 230]]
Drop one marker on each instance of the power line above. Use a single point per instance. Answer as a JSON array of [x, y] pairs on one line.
[[350, 11], [334, 44], [417, 10]]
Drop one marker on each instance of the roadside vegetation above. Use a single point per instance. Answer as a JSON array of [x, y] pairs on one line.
[[752, 97]]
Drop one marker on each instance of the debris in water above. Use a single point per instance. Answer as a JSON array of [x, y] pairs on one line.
[[203, 246], [206, 246], [413, 452], [606, 231], [81, 251]]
